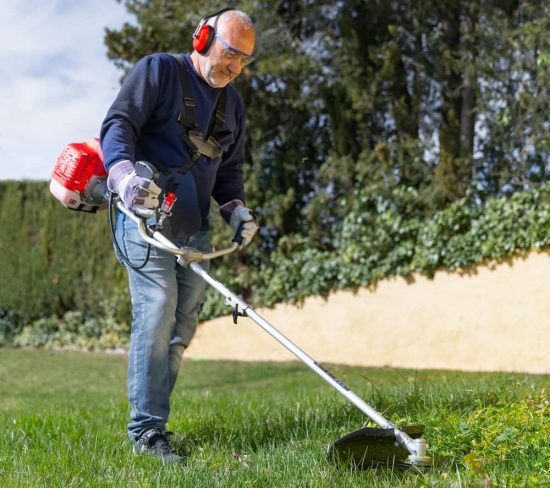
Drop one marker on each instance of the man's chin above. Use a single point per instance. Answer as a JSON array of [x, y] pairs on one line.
[[218, 81]]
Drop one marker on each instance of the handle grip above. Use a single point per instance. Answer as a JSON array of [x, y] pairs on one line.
[[145, 169], [238, 238]]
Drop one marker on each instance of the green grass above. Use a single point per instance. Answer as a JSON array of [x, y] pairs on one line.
[[63, 419]]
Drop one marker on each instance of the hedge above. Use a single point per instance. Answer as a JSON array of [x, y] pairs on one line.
[[61, 284], [383, 242]]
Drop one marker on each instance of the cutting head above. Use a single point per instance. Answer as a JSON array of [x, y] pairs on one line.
[[375, 447]]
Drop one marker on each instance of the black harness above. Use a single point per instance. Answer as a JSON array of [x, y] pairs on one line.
[[186, 216], [195, 140]]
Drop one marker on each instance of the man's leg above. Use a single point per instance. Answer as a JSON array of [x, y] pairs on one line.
[[153, 290], [191, 291]]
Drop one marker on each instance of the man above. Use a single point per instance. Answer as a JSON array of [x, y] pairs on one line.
[[181, 114]]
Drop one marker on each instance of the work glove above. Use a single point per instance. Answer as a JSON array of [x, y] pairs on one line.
[[236, 213], [141, 195]]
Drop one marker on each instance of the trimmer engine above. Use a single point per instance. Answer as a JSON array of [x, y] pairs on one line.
[[79, 179]]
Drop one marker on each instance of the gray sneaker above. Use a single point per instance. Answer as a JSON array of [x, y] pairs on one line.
[[155, 441]]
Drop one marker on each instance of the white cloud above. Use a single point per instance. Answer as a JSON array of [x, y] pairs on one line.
[[56, 82]]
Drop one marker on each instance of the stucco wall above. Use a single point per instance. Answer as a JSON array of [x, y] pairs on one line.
[[487, 318]]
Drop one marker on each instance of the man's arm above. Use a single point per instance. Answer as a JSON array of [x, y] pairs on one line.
[[229, 183], [229, 189], [121, 128], [130, 111]]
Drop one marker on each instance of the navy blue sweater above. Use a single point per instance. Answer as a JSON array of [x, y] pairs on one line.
[[142, 125]]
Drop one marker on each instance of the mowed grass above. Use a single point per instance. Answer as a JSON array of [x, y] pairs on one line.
[[63, 418]]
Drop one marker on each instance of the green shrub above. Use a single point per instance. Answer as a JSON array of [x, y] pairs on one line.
[[74, 330], [382, 237], [10, 326], [59, 262]]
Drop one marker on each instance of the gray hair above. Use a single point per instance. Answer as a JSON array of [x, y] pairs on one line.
[[245, 20]]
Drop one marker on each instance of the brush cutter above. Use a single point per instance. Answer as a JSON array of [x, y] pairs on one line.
[[364, 448], [79, 182]]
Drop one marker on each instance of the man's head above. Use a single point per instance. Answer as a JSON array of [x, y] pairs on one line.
[[229, 50]]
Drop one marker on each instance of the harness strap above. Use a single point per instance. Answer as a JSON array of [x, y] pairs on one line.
[[188, 119], [219, 120]]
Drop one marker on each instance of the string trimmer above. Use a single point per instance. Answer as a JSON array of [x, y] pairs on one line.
[[78, 181], [364, 448]]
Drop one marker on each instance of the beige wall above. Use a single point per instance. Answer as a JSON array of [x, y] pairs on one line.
[[490, 318]]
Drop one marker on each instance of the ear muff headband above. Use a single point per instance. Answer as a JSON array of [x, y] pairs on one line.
[[204, 33]]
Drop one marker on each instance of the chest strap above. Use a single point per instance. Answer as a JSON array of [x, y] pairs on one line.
[[195, 140]]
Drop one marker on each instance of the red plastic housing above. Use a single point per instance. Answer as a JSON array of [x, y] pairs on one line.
[[78, 162]]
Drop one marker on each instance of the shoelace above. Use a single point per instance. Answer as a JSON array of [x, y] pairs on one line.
[[163, 446], [158, 440]]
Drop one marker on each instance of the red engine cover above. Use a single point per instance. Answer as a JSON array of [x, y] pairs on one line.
[[78, 162]]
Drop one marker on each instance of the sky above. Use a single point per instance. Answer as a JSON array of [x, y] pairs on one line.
[[56, 83]]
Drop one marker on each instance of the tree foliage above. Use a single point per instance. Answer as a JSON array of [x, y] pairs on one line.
[[448, 99], [396, 136]]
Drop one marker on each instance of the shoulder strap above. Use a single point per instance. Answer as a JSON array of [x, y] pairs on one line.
[[188, 119], [219, 119]]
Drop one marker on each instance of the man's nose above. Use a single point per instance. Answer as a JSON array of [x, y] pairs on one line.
[[235, 66]]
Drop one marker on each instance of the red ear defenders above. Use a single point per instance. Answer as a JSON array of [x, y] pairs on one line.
[[203, 37]]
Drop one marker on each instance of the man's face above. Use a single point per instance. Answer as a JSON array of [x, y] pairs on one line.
[[230, 51]]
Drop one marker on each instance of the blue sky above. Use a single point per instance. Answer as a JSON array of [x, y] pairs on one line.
[[56, 82]]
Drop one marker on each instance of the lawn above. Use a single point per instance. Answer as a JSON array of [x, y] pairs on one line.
[[63, 417]]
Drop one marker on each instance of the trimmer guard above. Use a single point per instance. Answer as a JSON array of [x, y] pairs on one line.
[[372, 447]]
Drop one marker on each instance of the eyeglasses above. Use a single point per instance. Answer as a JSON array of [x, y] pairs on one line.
[[230, 53]]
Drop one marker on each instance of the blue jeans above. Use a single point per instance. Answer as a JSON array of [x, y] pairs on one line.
[[166, 301]]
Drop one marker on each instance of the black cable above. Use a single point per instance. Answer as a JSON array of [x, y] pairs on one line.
[[113, 235]]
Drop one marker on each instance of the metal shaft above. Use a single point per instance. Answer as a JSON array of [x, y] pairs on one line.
[[416, 447], [404, 439]]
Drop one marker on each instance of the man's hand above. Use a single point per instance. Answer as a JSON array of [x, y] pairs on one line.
[[236, 213], [250, 226], [141, 195]]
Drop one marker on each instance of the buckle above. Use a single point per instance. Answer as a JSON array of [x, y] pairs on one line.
[[210, 148]]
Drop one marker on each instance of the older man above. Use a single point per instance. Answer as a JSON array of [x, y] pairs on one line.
[[180, 113]]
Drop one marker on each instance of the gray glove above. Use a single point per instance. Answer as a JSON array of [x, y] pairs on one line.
[[141, 195], [242, 214]]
